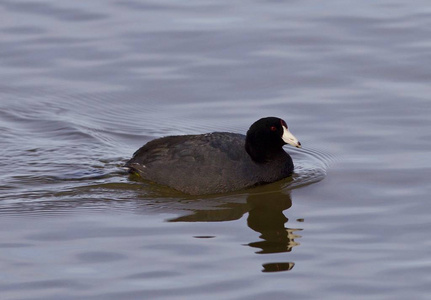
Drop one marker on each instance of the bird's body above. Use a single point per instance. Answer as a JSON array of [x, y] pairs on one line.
[[211, 163]]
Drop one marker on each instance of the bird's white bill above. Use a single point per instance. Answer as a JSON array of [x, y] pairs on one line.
[[290, 139]]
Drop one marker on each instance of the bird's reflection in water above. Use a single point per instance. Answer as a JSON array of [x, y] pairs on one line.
[[277, 267], [265, 216]]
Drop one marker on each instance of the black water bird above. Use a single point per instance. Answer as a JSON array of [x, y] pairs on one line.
[[218, 162]]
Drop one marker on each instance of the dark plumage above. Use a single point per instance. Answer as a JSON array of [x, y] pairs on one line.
[[218, 162]]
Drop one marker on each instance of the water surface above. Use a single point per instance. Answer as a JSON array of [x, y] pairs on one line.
[[85, 84]]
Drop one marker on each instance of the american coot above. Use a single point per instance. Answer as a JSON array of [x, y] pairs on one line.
[[218, 162]]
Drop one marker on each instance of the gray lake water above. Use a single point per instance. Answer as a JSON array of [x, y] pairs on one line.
[[83, 84]]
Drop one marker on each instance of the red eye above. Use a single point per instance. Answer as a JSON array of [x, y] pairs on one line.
[[273, 128]]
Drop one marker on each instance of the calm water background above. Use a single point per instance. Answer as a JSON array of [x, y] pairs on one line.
[[83, 84]]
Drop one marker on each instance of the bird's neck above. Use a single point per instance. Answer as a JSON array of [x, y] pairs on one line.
[[261, 152]]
